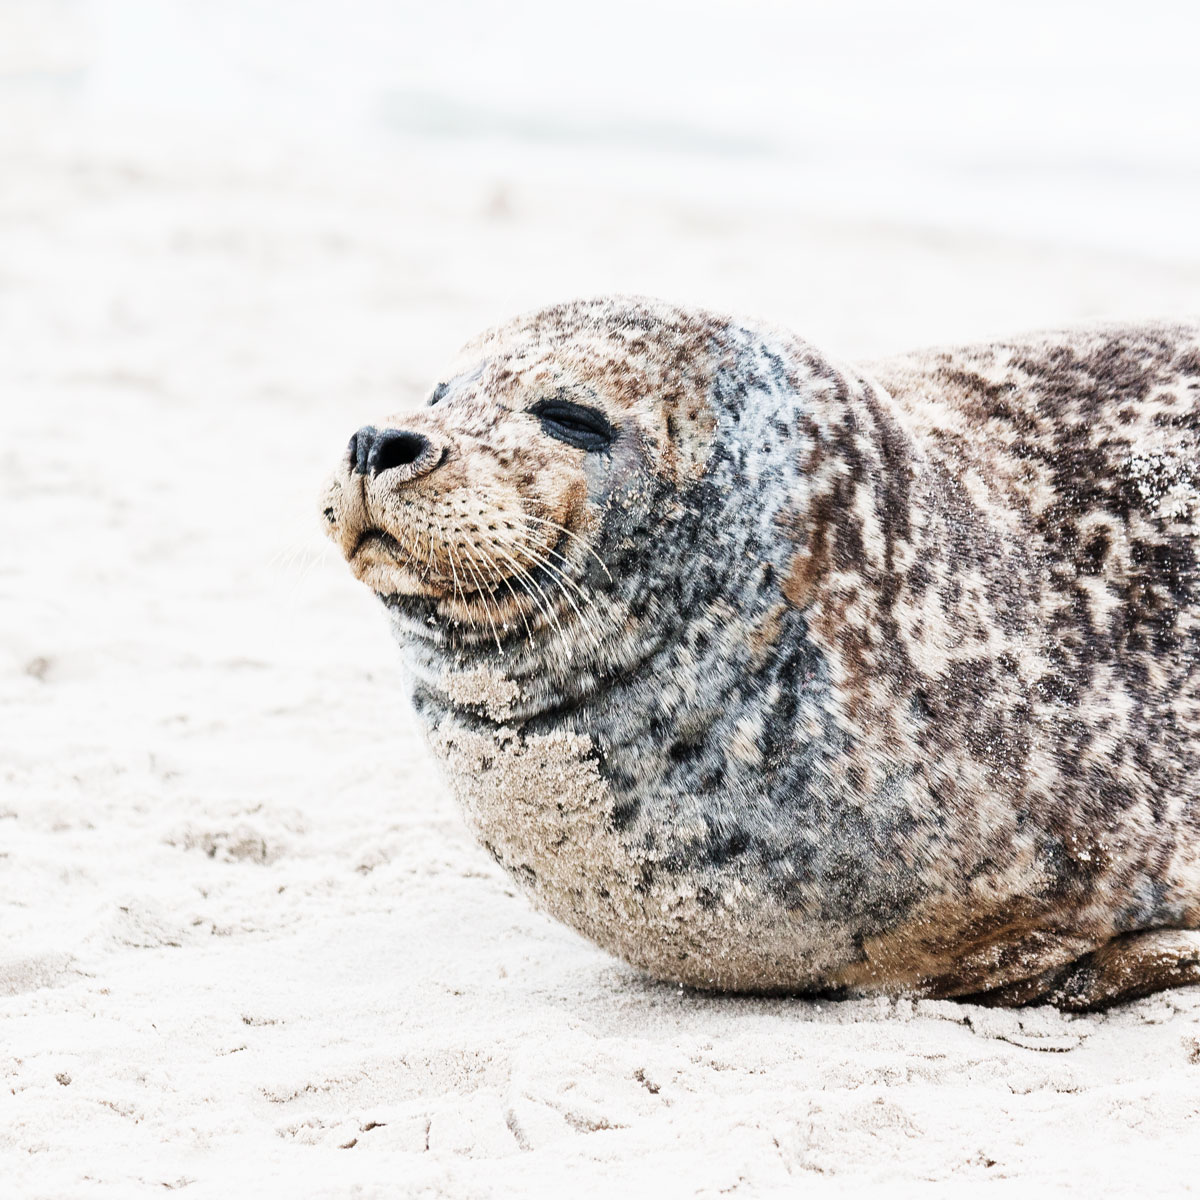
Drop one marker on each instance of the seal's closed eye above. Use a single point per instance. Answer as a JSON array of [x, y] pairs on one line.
[[575, 424]]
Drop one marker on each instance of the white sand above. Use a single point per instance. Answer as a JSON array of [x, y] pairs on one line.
[[247, 946]]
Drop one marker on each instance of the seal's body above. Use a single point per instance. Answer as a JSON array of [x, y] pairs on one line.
[[767, 674]]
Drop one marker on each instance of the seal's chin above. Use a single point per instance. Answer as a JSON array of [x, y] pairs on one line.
[[388, 565]]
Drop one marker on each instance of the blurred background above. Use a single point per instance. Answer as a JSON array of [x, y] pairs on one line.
[[869, 172]]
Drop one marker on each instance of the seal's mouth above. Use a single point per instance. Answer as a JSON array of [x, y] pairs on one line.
[[530, 581], [377, 538]]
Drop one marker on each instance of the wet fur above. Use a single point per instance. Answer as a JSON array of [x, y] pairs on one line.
[[887, 681]]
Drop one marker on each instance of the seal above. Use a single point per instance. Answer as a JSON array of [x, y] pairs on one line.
[[771, 674]]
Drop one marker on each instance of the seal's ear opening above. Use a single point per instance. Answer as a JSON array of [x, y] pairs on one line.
[[576, 424]]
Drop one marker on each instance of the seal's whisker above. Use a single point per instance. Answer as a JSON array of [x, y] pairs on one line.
[[556, 574], [482, 592], [543, 606], [523, 516], [306, 569], [429, 551], [454, 573], [285, 556], [494, 566], [539, 556], [482, 571], [504, 579], [526, 575], [558, 554], [562, 529], [464, 591], [536, 556]]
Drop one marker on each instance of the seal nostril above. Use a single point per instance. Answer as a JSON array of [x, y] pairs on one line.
[[359, 447], [396, 448]]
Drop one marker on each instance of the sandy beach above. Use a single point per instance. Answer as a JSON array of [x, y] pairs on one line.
[[248, 946]]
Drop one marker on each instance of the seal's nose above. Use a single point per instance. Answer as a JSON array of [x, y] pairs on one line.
[[374, 450]]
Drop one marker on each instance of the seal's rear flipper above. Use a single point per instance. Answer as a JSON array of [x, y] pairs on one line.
[[1128, 967]]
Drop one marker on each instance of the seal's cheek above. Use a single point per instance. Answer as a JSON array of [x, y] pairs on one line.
[[552, 483]]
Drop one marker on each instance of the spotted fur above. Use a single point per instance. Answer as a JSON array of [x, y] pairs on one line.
[[838, 679]]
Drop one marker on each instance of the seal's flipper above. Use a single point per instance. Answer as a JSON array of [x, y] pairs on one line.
[[1128, 967]]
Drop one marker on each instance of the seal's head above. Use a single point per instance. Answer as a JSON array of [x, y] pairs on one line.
[[482, 517]]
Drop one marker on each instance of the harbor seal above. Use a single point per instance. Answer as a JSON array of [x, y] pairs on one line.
[[771, 674]]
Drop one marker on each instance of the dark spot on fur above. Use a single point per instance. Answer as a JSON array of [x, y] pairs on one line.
[[624, 812]]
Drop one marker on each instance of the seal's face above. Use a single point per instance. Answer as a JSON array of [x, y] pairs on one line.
[[472, 503], [484, 510]]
